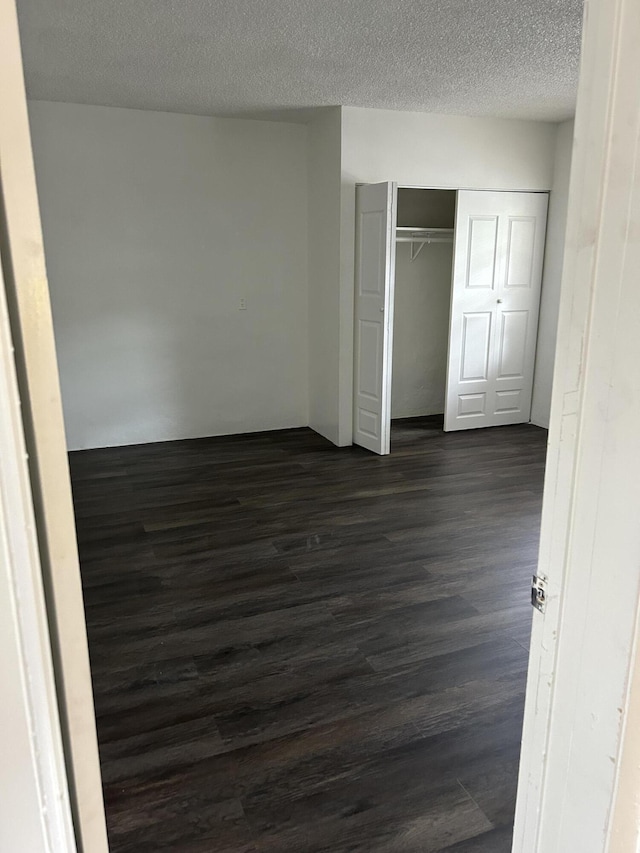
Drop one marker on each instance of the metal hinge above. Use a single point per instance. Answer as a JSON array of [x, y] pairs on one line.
[[539, 592]]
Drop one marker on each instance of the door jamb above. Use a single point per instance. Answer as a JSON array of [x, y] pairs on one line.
[[42, 423], [30, 730], [583, 647]]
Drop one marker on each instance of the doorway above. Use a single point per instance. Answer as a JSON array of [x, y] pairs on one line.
[[422, 301]]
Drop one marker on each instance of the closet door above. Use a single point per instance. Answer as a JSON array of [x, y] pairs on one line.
[[375, 268], [497, 273]]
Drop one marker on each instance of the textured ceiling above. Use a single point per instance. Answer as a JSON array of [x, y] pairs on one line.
[[512, 58]]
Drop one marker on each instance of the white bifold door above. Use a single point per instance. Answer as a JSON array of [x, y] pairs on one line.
[[497, 273], [373, 346]]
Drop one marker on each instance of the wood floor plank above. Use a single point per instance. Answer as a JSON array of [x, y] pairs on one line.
[[494, 841], [297, 647]]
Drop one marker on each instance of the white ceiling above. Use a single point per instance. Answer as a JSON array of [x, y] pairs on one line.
[[270, 58]]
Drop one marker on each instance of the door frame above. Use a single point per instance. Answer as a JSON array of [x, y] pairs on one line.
[[579, 770], [35, 810], [40, 417]]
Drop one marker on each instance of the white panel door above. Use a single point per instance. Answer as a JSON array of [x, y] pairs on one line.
[[375, 267], [497, 273]]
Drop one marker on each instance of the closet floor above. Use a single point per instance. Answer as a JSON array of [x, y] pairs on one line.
[[302, 648]]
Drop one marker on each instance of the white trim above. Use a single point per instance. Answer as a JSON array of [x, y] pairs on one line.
[[583, 647], [30, 730], [38, 383]]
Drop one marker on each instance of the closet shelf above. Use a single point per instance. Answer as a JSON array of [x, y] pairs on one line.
[[421, 236]]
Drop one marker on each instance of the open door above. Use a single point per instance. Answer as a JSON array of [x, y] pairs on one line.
[[375, 265], [497, 274], [55, 567]]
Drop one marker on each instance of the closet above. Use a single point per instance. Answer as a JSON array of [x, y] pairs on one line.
[[446, 307], [422, 297]]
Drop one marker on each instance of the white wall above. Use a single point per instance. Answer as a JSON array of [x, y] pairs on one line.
[[156, 226], [427, 150], [553, 257], [324, 271], [453, 152], [421, 330]]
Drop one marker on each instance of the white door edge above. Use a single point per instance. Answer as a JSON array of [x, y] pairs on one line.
[[583, 646], [32, 331], [35, 812], [390, 297]]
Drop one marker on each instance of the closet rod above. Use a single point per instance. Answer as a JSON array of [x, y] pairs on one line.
[[421, 236], [421, 239], [414, 229]]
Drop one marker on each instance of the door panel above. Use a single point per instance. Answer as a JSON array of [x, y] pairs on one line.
[[370, 348], [372, 235], [375, 264], [508, 401], [520, 251], [483, 232], [471, 405], [476, 341], [497, 272], [514, 326]]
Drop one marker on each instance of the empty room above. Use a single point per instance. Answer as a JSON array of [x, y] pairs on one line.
[[304, 264]]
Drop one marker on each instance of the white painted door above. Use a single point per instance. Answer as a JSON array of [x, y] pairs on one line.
[[580, 764], [52, 512], [35, 813], [497, 273], [375, 270]]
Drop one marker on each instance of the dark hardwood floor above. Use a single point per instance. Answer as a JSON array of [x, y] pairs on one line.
[[299, 648]]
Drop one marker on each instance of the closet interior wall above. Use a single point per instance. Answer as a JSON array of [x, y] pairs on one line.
[[421, 306]]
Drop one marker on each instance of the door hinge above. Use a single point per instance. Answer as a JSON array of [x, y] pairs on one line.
[[539, 592]]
